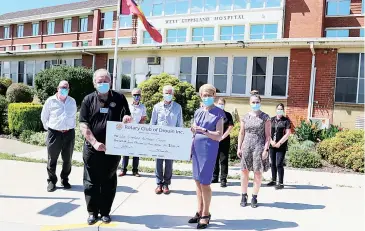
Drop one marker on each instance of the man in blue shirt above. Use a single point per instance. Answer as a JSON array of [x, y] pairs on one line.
[[166, 113]]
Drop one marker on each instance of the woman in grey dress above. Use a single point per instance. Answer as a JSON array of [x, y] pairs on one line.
[[253, 147]]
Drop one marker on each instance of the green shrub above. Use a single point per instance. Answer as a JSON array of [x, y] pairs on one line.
[[24, 116], [301, 157], [293, 139], [329, 132], [79, 78], [307, 131], [3, 112], [355, 158], [4, 84], [19, 93], [234, 142], [185, 94]]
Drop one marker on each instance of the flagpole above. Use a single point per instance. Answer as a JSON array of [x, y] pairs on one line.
[[116, 48]]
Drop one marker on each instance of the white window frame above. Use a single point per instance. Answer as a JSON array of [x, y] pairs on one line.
[[175, 2], [52, 23], [176, 37], [6, 32], [20, 33], [35, 28], [227, 73], [338, 8], [264, 4], [248, 70], [84, 23], [125, 26], [337, 30], [106, 39], [204, 27], [67, 25], [232, 34], [264, 33]]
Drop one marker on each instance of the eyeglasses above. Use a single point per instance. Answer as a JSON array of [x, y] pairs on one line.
[[135, 95]]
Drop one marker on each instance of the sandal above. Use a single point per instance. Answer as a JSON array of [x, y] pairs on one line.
[[244, 200], [203, 226], [194, 219]]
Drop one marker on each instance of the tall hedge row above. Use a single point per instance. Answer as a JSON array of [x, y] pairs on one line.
[[24, 116]]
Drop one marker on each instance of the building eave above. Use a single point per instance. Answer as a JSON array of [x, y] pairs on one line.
[[329, 43]]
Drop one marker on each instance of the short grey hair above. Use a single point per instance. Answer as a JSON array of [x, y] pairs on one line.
[[136, 89], [62, 82], [101, 72], [167, 88]]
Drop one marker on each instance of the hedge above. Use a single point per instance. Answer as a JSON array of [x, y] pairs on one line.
[[4, 85], [79, 78], [3, 109], [346, 149], [24, 116], [19, 93]]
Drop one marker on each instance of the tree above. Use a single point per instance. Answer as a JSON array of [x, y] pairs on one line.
[[79, 78], [184, 94]]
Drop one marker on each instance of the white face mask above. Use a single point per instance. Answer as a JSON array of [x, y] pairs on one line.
[[220, 106]]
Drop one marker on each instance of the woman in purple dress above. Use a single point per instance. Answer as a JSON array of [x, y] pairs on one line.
[[208, 130]]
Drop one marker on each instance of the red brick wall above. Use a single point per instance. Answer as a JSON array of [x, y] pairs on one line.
[[1, 32], [304, 18], [13, 30], [299, 83], [101, 61], [87, 61], [96, 26], [326, 61], [58, 28], [43, 29], [75, 24], [355, 21], [354, 33], [355, 7], [28, 30], [90, 23]]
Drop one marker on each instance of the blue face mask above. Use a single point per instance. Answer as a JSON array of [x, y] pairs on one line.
[[64, 92], [167, 97], [208, 101], [256, 107], [136, 98], [103, 87], [220, 106], [280, 112]]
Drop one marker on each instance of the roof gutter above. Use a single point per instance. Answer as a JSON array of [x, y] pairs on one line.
[[312, 82]]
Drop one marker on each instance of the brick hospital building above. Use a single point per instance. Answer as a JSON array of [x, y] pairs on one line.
[[307, 54]]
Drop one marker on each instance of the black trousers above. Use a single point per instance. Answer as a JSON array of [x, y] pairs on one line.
[[100, 180], [222, 160], [134, 165], [59, 142], [277, 157]]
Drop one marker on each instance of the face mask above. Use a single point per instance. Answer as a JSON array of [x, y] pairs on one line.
[[256, 107], [208, 101], [136, 98], [64, 92], [280, 112], [167, 97], [103, 87], [220, 106]]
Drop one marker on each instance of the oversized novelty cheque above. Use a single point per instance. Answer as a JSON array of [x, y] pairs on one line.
[[145, 140]]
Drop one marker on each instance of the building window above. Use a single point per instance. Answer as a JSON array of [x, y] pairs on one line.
[[220, 74], [350, 78], [21, 72], [35, 29], [125, 21], [147, 38], [239, 75], [337, 33], [6, 32], [6, 70], [14, 71], [259, 74], [107, 20], [50, 46], [202, 68], [186, 64], [232, 4], [34, 47], [77, 62], [338, 7], [67, 24], [265, 3], [19, 48], [67, 45], [30, 72], [176, 35], [20, 31], [203, 34], [126, 74], [50, 27], [124, 41], [176, 7], [280, 75], [362, 32], [152, 7], [84, 43], [203, 5], [106, 42], [83, 24], [264, 31], [232, 32]]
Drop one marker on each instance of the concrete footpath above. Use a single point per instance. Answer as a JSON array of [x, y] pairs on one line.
[[26, 205]]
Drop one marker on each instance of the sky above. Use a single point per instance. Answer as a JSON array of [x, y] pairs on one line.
[[18, 5]]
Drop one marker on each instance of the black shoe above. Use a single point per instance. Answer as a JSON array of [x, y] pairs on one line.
[[106, 219], [214, 181], [254, 202], [92, 219], [194, 219], [203, 226], [66, 185], [244, 200], [279, 186], [51, 187], [223, 183], [271, 183]]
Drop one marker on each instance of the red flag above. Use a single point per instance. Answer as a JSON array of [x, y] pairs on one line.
[[130, 7]]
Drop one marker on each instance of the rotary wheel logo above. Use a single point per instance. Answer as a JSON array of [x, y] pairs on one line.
[[119, 126]]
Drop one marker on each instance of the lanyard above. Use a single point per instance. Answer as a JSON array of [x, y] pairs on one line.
[[276, 128]]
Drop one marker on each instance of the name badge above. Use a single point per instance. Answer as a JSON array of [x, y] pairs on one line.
[[104, 110]]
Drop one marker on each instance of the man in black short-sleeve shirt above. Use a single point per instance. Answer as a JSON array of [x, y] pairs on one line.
[[100, 179]]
